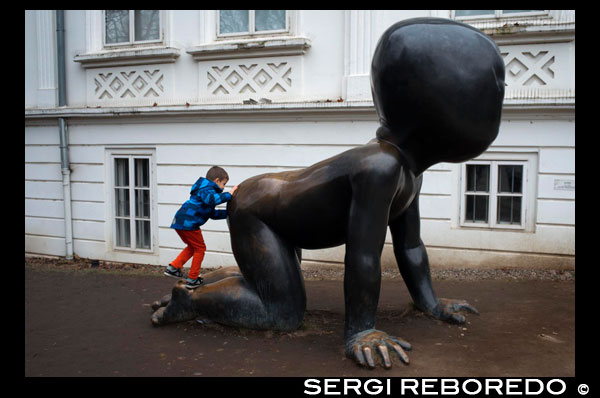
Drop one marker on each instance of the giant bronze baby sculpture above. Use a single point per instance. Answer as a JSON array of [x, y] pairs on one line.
[[438, 87]]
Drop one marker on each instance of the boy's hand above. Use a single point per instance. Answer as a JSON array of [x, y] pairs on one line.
[[232, 192]]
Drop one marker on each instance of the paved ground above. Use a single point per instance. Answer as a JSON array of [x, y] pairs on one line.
[[96, 322]]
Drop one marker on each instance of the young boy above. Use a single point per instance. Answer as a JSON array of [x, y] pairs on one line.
[[206, 193]]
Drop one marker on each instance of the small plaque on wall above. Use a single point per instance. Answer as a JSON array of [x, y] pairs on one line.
[[564, 185]]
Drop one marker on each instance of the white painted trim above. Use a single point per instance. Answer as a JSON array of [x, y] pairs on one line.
[[46, 57], [247, 48], [533, 37], [360, 34], [93, 30], [522, 111], [128, 56], [498, 15]]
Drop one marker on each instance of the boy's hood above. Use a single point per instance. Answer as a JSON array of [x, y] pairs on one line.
[[205, 183]]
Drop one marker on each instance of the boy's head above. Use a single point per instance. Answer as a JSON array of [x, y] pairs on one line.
[[218, 175]]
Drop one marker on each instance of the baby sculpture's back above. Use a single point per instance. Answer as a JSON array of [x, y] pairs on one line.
[[310, 206]]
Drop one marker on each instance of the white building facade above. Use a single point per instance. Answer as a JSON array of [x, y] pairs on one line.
[[155, 98]]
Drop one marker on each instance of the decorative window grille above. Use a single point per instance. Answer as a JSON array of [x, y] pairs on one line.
[[251, 22], [132, 202], [122, 27]]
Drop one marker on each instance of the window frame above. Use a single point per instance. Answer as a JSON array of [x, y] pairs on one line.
[[131, 155], [132, 42], [487, 193], [528, 161], [251, 27], [498, 14]]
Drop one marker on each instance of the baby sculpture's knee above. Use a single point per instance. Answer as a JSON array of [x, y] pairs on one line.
[[287, 315]]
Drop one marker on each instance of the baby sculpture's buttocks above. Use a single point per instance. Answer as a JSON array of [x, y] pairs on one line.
[[438, 87]]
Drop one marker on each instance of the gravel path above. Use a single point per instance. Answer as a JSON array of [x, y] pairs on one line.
[[320, 273]]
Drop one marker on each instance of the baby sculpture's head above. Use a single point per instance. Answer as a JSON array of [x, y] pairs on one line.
[[438, 87]]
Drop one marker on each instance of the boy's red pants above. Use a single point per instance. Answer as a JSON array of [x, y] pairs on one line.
[[195, 248]]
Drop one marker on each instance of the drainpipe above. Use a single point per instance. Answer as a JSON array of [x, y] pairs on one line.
[[62, 129]]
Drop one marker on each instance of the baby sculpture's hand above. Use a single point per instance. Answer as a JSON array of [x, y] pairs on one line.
[[360, 347], [447, 310]]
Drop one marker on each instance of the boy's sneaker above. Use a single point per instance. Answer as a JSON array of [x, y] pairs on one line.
[[193, 283], [173, 272]]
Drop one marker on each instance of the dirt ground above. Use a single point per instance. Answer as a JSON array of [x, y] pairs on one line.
[[83, 321]]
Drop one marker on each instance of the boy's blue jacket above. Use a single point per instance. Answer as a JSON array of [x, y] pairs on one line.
[[196, 211]]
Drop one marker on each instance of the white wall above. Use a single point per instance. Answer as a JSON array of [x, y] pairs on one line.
[[537, 120], [339, 41], [185, 149]]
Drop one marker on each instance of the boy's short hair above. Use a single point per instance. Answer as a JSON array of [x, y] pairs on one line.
[[217, 172]]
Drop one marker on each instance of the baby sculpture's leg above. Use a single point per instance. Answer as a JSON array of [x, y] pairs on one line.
[[269, 293]]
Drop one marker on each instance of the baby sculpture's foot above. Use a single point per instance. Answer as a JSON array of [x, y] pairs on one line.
[[176, 307], [209, 278], [163, 302]]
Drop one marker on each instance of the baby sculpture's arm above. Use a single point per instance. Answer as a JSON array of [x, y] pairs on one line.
[[367, 226], [413, 263]]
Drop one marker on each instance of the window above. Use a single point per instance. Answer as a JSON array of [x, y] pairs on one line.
[[251, 22], [126, 38], [460, 14], [131, 27], [132, 202], [477, 196], [494, 194]]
